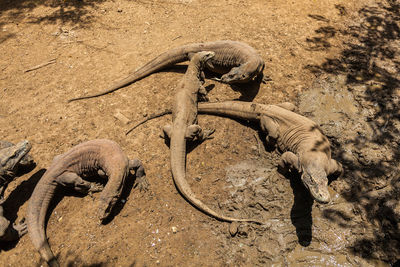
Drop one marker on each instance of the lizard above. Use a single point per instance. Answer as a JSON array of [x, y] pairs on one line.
[[237, 61], [184, 127], [100, 156], [11, 158], [304, 146]]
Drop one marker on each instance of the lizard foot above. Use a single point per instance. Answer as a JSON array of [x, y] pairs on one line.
[[21, 227], [207, 134], [141, 183], [203, 98], [95, 187], [265, 79]]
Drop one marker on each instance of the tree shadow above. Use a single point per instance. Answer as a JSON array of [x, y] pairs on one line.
[[371, 64], [73, 11]]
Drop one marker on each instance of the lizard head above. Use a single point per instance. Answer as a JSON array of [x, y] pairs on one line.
[[314, 176], [244, 73], [11, 156], [202, 57]]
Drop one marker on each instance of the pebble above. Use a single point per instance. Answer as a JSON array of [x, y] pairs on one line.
[[233, 228], [174, 229]]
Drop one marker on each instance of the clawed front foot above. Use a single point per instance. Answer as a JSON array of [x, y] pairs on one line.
[[207, 134], [265, 79], [21, 227], [141, 183], [203, 98], [95, 187]]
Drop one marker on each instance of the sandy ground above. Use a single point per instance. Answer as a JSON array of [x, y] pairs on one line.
[[337, 60]]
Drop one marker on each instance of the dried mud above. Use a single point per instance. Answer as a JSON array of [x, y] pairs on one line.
[[338, 61]]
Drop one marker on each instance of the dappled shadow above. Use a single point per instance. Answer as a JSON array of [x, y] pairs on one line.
[[59, 12], [370, 61]]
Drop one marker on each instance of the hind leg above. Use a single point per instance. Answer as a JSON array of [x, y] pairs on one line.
[[335, 168], [167, 131], [288, 161], [195, 132]]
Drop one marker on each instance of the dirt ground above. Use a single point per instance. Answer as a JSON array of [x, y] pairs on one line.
[[338, 61]]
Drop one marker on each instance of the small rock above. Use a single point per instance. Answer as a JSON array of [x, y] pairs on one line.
[[233, 228], [174, 229], [121, 117], [197, 179], [119, 10]]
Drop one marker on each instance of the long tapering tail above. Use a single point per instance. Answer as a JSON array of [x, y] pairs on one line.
[[37, 210], [164, 60]]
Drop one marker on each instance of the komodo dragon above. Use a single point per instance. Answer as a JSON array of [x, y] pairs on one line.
[[304, 145], [12, 157], [237, 61], [102, 157], [184, 119]]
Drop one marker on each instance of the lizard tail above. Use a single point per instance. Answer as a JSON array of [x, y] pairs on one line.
[[36, 215], [166, 59], [152, 116], [178, 160]]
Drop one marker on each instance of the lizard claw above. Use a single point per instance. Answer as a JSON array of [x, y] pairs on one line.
[[203, 98], [142, 183], [265, 79], [216, 79], [207, 134], [95, 187], [21, 227]]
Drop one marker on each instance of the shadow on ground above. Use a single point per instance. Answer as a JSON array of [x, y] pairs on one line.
[[71, 11], [370, 62]]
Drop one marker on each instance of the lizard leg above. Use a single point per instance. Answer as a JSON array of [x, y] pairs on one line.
[[167, 130], [335, 168], [202, 94], [287, 105], [101, 174], [289, 160], [195, 131], [271, 127], [71, 179], [141, 181]]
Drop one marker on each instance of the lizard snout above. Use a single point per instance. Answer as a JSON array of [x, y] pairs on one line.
[[317, 185]]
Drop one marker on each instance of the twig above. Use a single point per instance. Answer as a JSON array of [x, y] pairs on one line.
[[179, 36], [41, 65]]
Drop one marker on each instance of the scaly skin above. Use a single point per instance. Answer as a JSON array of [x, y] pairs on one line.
[[238, 61], [305, 147], [100, 156], [11, 157], [184, 119]]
